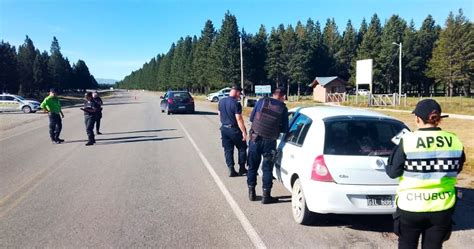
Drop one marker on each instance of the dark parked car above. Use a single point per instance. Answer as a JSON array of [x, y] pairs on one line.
[[177, 102]]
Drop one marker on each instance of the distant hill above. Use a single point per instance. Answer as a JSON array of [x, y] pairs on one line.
[[106, 81]]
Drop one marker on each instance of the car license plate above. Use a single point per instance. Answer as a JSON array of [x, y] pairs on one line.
[[379, 200], [181, 107]]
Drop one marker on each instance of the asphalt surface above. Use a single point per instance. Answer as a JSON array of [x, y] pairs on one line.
[[154, 180]]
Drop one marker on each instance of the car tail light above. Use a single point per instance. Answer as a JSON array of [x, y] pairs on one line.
[[170, 101], [320, 171]]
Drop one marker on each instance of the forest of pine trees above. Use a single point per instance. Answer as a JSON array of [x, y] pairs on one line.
[[436, 60], [30, 72]]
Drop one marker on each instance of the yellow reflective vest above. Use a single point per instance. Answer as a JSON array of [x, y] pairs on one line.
[[432, 162]]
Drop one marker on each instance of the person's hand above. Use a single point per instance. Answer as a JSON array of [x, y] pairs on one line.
[[244, 137]]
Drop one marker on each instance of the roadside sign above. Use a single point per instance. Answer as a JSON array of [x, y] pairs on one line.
[[263, 89]]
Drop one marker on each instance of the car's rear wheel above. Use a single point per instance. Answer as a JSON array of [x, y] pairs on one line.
[[215, 99], [301, 214], [26, 109]]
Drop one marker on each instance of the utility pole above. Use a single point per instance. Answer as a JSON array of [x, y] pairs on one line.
[[399, 73], [241, 68]]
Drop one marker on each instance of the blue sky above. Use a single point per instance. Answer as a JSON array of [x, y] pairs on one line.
[[116, 37]]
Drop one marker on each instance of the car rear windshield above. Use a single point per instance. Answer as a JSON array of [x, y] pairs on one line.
[[361, 137], [180, 95]]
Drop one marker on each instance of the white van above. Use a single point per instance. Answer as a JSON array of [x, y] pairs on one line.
[[11, 103]]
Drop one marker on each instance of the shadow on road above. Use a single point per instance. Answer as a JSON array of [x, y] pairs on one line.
[[463, 217], [374, 223], [109, 139], [119, 140], [127, 132], [204, 113], [138, 140], [464, 212], [122, 103]]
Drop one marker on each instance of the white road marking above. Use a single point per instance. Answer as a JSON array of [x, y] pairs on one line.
[[249, 229]]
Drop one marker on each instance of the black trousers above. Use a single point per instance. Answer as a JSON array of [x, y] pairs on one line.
[[232, 137], [98, 117], [259, 148], [433, 227], [89, 120], [55, 126]]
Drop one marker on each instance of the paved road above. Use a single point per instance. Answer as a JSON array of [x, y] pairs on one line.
[[154, 180]]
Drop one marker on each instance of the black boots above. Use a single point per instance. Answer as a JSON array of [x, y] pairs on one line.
[[267, 198], [232, 172], [252, 194], [242, 170]]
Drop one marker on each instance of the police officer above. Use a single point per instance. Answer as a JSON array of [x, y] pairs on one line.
[[52, 106], [269, 118], [233, 131], [90, 108], [98, 114], [427, 162]]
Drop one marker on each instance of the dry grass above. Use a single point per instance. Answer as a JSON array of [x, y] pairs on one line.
[[462, 128], [454, 105]]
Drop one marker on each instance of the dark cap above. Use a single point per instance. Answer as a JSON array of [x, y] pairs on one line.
[[52, 90], [428, 110], [236, 87]]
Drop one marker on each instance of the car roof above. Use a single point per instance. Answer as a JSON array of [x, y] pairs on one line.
[[178, 92], [323, 112]]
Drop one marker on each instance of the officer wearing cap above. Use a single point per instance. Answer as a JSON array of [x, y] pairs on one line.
[[52, 106], [98, 114], [90, 109], [269, 118], [427, 161], [233, 131]]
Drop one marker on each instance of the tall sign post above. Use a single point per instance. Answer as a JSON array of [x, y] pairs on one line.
[[364, 76]]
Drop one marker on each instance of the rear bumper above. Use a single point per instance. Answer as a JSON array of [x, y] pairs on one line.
[[189, 107], [329, 197]]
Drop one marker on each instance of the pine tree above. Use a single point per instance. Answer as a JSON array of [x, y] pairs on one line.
[[8, 68], [451, 64], [299, 59], [226, 52], [40, 71], [202, 60], [370, 48], [57, 68], [26, 58], [275, 63], [331, 42], [288, 42], [388, 58], [82, 76], [425, 42], [259, 52], [347, 51]]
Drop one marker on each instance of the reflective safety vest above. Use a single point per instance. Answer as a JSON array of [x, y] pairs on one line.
[[430, 171], [267, 121]]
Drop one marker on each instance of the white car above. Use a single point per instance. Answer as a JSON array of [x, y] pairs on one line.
[[363, 92], [333, 161], [11, 102], [215, 97]]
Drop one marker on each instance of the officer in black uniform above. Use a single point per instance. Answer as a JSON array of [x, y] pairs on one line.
[[427, 161], [98, 114], [233, 131], [90, 108], [269, 118]]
